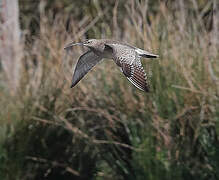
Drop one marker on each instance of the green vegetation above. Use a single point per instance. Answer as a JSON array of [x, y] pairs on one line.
[[105, 128]]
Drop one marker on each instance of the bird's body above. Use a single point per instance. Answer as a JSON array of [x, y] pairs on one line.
[[127, 57]]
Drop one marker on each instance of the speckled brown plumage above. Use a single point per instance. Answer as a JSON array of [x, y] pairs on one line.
[[127, 57]]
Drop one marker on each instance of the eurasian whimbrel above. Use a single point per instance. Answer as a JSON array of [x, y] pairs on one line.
[[127, 57]]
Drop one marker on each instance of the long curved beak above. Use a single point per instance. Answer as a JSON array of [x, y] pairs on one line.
[[72, 44]]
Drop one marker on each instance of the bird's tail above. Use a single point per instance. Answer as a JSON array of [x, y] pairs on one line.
[[146, 54]]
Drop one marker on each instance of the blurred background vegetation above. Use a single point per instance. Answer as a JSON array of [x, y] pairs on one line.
[[105, 128]]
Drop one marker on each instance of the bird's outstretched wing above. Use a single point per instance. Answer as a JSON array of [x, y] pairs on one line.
[[129, 61], [85, 63], [136, 75]]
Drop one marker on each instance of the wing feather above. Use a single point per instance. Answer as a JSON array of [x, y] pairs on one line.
[[139, 78], [128, 59], [85, 63]]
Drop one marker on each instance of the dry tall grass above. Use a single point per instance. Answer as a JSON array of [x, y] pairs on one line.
[[165, 132]]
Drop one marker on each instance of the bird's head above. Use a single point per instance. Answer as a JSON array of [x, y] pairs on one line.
[[91, 43]]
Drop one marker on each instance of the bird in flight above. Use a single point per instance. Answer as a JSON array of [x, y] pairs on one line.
[[127, 57]]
